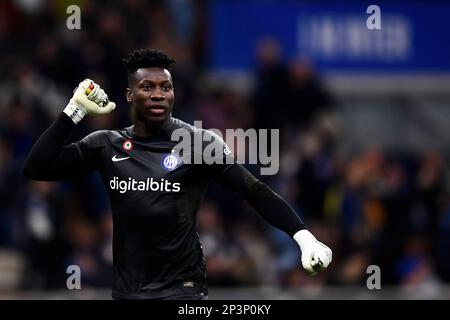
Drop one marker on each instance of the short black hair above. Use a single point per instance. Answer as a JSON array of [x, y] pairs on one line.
[[147, 58]]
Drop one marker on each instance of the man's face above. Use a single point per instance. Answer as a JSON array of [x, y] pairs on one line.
[[151, 93]]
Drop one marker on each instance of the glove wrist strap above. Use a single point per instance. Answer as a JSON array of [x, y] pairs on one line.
[[75, 112]]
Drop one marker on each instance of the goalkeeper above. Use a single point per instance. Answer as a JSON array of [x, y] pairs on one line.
[[154, 196]]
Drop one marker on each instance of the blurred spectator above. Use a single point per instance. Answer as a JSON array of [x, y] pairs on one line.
[[306, 96], [226, 260], [270, 97], [286, 94], [40, 235]]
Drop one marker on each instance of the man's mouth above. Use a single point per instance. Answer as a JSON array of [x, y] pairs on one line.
[[156, 109]]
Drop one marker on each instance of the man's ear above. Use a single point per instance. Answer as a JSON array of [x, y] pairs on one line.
[[129, 95]]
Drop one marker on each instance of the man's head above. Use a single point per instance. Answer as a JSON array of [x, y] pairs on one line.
[[150, 87]]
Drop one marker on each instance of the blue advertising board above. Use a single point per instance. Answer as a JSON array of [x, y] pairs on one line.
[[414, 37]]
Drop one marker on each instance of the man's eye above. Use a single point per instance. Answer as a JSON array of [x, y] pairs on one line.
[[146, 87], [167, 88]]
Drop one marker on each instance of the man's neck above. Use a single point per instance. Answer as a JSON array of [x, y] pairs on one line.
[[145, 129]]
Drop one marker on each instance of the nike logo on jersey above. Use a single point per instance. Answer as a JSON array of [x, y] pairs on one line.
[[115, 159]]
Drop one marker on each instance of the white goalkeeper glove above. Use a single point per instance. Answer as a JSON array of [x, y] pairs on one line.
[[315, 255], [88, 98]]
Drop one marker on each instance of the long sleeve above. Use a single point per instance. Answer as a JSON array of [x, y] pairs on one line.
[[50, 160], [272, 207]]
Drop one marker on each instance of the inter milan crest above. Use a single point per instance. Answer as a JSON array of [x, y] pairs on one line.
[[127, 145], [170, 162]]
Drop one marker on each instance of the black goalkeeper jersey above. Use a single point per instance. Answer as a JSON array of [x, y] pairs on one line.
[[154, 197]]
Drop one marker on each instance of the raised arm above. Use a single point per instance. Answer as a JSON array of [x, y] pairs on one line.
[[50, 159]]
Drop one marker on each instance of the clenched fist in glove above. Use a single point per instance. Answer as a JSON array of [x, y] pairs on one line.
[[315, 255], [88, 98]]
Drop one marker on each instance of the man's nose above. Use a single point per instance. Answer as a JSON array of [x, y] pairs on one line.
[[157, 94]]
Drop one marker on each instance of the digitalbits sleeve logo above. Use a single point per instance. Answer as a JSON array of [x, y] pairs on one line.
[[170, 162]]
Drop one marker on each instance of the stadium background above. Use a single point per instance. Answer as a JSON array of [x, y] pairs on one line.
[[363, 116]]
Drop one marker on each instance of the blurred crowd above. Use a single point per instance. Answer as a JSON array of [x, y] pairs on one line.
[[370, 206]]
